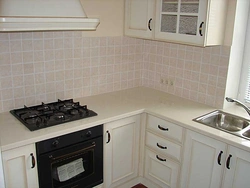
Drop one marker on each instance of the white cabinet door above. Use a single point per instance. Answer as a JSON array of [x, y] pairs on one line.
[[237, 169], [161, 170], [201, 162], [181, 20], [20, 168], [121, 151], [139, 18]]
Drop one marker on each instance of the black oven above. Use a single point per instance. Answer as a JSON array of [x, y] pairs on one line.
[[74, 160]]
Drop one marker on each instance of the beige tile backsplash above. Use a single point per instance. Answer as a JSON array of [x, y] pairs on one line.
[[45, 66], [198, 74]]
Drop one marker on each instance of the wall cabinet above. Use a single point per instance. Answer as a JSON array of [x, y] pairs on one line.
[[121, 151], [197, 22], [139, 15], [20, 169], [210, 163], [163, 152]]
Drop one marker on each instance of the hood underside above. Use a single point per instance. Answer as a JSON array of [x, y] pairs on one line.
[[44, 15]]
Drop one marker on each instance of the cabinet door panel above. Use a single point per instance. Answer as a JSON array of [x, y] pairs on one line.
[[180, 20], [200, 163], [17, 167], [163, 173], [138, 14], [238, 174], [121, 151]]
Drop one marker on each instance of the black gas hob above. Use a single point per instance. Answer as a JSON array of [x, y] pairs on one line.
[[46, 115]]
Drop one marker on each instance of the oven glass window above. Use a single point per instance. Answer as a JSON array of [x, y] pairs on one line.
[[71, 168]]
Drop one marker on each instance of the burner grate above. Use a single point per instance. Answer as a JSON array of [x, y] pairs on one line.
[[46, 115]]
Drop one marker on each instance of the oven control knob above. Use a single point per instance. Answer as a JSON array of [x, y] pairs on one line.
[[88, 134], [55, 143]]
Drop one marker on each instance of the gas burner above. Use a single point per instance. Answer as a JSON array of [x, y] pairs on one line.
[[35, 120], [59, 116], [74, 111], [29, 114], [44, 107], [45, 115], [66, 107]]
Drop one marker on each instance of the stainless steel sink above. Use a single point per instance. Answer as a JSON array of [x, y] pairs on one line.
[[226, 122]]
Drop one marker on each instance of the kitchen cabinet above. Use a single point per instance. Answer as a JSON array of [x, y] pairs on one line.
[[138, 18], [121, 151], [163, 152], [210, 163], [237, 168], [201, 162], [20, 169], [195, 22]]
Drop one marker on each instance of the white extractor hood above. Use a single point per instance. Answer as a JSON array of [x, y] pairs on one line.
[[44, 15]]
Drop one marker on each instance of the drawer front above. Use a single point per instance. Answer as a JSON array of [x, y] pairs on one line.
[[166, 129], [163, 146], [160, 170]]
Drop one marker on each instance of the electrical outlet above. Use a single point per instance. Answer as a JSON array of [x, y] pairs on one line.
[[171, 82]]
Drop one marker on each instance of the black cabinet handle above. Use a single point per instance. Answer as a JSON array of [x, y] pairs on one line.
[[162, 147], [149, 24], [228, 161], [33, 161], [200, 28], [219, 157], [160, 159], [109, 137], [162, 128]]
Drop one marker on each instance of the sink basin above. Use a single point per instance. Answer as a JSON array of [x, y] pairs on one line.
[[226, 122]]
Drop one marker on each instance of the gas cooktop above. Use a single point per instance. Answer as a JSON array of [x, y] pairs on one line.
[[46, 115]]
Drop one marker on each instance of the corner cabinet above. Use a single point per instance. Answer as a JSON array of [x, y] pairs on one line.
[[121, 151], [195, 22], [20, 169], [209, 163]]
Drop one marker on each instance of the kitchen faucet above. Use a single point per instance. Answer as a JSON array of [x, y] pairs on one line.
[[239, 103]]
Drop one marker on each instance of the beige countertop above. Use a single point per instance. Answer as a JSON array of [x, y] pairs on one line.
[[117, 105]]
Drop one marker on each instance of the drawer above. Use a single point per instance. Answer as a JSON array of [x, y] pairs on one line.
[[160, 170], [165, 128], [163, 146]]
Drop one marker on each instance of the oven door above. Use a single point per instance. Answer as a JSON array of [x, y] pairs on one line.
[[80, 165]]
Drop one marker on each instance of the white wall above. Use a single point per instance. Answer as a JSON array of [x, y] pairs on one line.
[[111, 14], [237, 49]]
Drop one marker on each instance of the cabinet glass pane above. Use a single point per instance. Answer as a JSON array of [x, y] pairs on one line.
[[168, 23], [190, 6], [169, 5], [188, 25]]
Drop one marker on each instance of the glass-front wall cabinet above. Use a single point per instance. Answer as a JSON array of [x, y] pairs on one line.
[[181, 20], [193, 22]]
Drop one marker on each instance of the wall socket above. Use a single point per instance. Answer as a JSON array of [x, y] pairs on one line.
[[167, 82]]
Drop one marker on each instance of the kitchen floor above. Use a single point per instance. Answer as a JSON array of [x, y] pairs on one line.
[[139, 186]]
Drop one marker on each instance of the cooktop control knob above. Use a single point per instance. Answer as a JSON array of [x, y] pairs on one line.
[[55, 143], [88, 134]]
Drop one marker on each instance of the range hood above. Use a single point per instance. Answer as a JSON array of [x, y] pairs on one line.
[[44, 15]]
